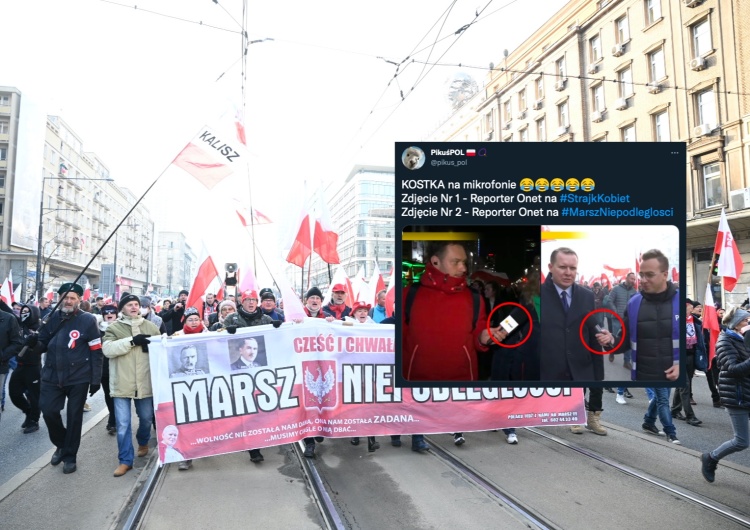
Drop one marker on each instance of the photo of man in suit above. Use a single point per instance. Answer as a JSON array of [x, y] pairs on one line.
[[564, 356], [249, 354]]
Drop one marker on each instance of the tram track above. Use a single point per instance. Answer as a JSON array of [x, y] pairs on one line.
[[683, 493], [340, 509]]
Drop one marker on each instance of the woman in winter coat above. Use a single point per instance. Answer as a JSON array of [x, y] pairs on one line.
[[733, 358]]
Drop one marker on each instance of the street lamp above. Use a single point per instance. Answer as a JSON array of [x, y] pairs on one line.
[[39, 272]]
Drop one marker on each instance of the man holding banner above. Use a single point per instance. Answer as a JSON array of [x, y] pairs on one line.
[[126, 346]]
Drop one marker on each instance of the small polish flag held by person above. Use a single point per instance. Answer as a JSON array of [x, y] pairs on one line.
[[87, 291], [471, 152], [207, 273], [6, 291], [50, 294], [730, 262], [210, 157], [711, 323]]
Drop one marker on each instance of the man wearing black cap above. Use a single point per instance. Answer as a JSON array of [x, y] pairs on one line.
[[313, 303], [268, 304], [175, 313], [73, 367]]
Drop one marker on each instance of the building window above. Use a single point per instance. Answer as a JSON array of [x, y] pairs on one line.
[[3, 153], [653, 11], [522, 100], [541, 130], [560, 69], [701, 38], [712, 184], [4, 100], [506, 111], [706, 103], [523, 135], [622, 30], [597, 98], [539, 88], [562, 114], [595, 49], [661, 127], [4, 128], [2, 179], [488, 122], [656, 65], [625, 80], [628, 133]]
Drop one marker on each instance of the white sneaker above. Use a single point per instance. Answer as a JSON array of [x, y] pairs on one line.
[[512, 438], [621, 399]]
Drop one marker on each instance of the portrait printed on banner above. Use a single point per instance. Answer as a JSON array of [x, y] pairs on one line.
[[188, 360], [248, 352]]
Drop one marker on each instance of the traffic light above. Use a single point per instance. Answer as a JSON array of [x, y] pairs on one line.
[[715, 265]]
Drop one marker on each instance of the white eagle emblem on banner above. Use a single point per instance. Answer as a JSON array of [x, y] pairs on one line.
[[321, 385]]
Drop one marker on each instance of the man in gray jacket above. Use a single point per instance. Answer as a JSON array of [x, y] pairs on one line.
[[617, 301]]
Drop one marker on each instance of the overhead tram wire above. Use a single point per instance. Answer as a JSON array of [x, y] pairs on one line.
[[398, 67], [199, 22], [603, 79], [460, 30], [459, 35]]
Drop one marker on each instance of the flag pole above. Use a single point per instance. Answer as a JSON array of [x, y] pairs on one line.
[[85, 268]]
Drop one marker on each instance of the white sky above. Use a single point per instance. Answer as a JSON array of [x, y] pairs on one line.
[[137, 86]]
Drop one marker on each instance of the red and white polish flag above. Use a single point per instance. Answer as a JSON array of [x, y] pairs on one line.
[[210, 157], [730, 261], [711, 323]]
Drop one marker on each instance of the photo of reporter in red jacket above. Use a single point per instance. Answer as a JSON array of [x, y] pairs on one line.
[[440, 340]]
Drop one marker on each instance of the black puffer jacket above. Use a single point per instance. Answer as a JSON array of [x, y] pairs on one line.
[[733, 357]]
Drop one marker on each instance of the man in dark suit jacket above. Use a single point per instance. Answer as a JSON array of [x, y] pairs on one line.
[[564, 356]]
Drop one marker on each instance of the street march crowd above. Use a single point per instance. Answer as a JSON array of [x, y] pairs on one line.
[[61, 357]]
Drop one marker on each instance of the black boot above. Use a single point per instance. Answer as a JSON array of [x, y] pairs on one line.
[[255, 456], [26, 422], [355, 440], [372, 444]]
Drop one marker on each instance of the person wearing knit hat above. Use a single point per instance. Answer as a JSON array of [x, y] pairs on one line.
[[226, 308], [148, 313], [126, 345], [695, 346], [732, 353], [127, 299], [313, 303], [174, 316], [268, 305], [109, 314], [193, 323]]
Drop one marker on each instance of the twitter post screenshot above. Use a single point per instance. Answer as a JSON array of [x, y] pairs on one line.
[[541, 265]]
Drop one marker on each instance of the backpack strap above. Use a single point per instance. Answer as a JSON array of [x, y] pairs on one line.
[[410, 301], [475, 296]]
